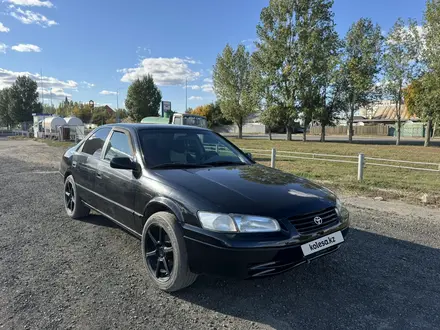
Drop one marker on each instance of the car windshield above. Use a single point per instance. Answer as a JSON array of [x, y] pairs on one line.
[[194, 121], [176, 148]]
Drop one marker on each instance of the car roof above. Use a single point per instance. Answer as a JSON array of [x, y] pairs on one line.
[[138, 126]]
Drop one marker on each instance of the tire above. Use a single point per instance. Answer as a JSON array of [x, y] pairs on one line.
[[164, 253], [72, 201]]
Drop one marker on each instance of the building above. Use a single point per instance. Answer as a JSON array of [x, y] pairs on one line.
[[383, 112]]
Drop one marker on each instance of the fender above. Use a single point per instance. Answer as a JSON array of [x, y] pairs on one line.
[[167, 204]]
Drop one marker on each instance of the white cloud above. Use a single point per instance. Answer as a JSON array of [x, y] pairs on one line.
[[105, 92], [7, 78], [54, 94], [87, 84], [249, 44], [31, 3], [165, 71], [102, 104], [30, 17], [208, 80], [3, 48], [195, 98], [26, 48], [207, 88], [193, 87], [4, 28]]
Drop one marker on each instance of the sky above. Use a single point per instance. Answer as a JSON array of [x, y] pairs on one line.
[[92, 50]]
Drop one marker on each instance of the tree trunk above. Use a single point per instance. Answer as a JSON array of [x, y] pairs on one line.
[[288, 133], [350, 126], [434, 130], [399, 123], [270, 134], [305, 131], [322, 133], [428, 132], [240, 131]]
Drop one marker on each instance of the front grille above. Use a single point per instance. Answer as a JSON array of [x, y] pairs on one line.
[[305, 224]]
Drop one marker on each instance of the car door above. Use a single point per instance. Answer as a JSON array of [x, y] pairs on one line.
[[85, 164], [116, 187]]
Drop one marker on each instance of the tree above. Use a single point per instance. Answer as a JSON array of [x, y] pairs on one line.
[[232, 76], [203, 110], [23, 99], [276, 58], [422, 98], [362, 56], [83, 112], [100, 116], [5, 118], [334, 96], [143, 98], [401, 63], [431, 29], [316, 46], [189, 110], [270, 117]]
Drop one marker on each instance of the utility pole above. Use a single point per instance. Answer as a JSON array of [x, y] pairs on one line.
[[42, 90], [51, 105], [186, 95]]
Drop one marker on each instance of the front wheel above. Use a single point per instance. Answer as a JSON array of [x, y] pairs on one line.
[[72, 202], [164, 253]]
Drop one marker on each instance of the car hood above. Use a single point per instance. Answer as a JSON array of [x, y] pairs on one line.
[[251, 189]]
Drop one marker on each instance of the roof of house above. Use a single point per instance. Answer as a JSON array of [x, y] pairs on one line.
[[385, 112]]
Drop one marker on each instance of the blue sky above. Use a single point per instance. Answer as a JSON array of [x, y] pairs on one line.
[[90, 49]]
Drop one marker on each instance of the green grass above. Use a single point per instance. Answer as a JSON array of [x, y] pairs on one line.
[[55, 143], [378, 181]]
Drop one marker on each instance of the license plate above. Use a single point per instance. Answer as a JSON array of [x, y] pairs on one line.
[[322, 243]]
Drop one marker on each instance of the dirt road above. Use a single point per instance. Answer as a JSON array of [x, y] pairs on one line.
[[56, 273]]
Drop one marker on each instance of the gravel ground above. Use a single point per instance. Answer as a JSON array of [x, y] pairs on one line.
[[57, 273]]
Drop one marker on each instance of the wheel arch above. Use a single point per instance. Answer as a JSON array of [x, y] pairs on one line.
[[66, 174], [159, 204]]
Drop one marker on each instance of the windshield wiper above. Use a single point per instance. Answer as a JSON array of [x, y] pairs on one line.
[[224, 163], [179, 165]]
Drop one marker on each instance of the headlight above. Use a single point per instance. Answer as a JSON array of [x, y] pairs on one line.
[[338, 205], [236, 223]]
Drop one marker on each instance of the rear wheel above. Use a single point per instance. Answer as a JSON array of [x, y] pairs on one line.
[[72, 202], [164, 253]]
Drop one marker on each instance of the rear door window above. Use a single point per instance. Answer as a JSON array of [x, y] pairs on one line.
[[94, 144]]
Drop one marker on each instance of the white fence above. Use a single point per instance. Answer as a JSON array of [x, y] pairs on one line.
[[360, 160], [249, 128]]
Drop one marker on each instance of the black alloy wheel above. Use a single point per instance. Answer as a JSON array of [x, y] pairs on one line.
[[69, 197], [160, 257], [164, 252], [72, 201]]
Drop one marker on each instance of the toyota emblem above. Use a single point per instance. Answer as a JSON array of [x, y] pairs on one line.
[[318, 220]]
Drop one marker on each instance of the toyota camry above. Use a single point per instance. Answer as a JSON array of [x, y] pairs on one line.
[[199, 204]]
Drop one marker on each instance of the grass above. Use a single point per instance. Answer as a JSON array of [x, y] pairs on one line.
[[378, 181], [49, 142]]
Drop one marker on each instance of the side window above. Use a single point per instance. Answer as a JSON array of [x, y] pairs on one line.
[[95, 143], [177, 120], [118, 146]]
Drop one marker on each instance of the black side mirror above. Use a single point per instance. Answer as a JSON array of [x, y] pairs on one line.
[[248, 155], [123, 163]]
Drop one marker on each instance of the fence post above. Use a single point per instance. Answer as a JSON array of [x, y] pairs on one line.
[[272, 158], [361, 167]]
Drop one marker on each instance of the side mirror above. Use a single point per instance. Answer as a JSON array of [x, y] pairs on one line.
[[248, 155], [123, 163]]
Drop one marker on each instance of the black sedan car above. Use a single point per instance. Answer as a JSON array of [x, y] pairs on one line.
[[199, 204]]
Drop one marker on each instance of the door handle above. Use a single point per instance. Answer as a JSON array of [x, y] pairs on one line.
[[74, 163], [99, 175]]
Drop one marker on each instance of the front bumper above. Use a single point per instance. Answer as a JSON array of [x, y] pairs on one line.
[[241, 259]]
